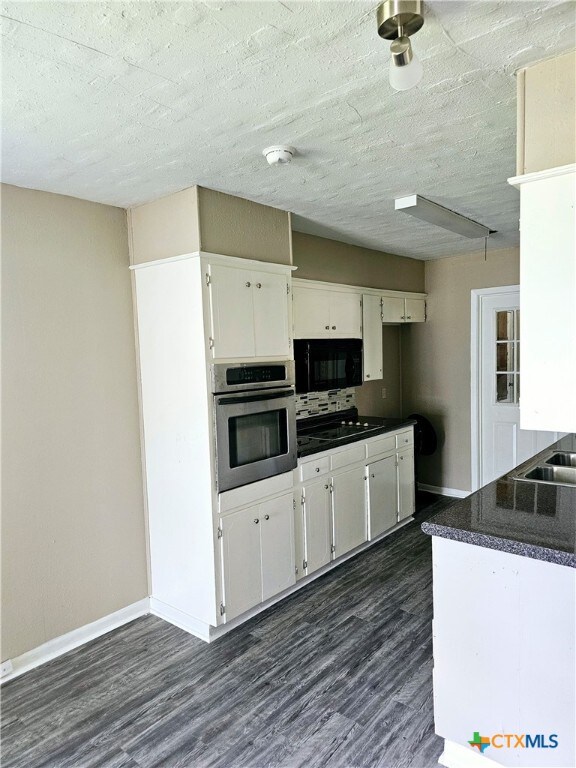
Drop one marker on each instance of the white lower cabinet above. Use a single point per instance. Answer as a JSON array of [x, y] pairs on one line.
[[405, 483], [317, 525], [349, 510], [382, 496], [277, 545], [257, 554]]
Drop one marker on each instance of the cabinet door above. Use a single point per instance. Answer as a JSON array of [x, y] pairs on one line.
[[311, 310], [405, 484], [372, 336], [345, 315], [349, 510], [277, 545], [317, 525], [393, 309], [241, 561], [231, 307], [271, 316], [382, 496], [415, 310]]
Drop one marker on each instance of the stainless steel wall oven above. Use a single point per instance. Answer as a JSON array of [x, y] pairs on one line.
[[255, 421]]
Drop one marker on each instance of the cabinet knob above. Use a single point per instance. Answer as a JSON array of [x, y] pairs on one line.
[[373, 475], [248, 284], [317, 469], [409, 317], [367, 375], [327, 327], [325, 487], [258, 285], [401, 458], [403, 317], [333, 327], [266, 517], [256, 520]]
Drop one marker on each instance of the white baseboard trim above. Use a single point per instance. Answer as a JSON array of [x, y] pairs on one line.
[[180, 619], [457, 756], [77, 637], [442, 491]]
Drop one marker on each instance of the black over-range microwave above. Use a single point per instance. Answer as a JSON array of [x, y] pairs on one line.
[[323, 364]]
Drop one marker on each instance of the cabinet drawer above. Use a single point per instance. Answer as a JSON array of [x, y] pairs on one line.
[[349, 456], [250, 494], [404, 439], [314, 468], [380, 445]]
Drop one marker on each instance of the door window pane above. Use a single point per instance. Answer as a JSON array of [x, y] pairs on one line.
[[504, 357], [507, 356], [504, 388], [504, 325]]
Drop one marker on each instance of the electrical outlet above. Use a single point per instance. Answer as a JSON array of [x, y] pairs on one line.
[[384, 393]]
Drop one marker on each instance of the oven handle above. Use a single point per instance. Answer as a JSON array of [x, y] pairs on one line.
[[266, 395]]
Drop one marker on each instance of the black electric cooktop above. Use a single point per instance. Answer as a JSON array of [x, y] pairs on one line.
[[320, 433]]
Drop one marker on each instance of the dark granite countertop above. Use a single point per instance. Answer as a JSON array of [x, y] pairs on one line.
[[308, 447], [524, 518]]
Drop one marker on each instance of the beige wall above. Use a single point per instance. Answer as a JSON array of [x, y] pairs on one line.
[[436, 358], [73, 543], [165, 227], [237, 227], [369, 397], [202, 219], [547, 114], [319, 258]]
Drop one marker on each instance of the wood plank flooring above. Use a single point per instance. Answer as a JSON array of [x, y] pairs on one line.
[[338, 676]]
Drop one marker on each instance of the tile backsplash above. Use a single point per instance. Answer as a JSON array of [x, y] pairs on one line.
[[318, 403]]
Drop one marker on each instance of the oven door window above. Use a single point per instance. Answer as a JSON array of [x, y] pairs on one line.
[[257, 436]]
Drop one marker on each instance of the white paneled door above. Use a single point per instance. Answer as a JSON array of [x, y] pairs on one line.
[[502, 444]]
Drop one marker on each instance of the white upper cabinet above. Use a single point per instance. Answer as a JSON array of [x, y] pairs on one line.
[[372, 336], [403, 310], [548, 299], [323, 314], [249, 313]]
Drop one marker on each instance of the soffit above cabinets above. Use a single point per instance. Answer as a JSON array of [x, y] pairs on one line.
[[123, 103]]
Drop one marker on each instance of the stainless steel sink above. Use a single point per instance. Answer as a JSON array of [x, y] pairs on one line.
[[562, 459], [558, 468]]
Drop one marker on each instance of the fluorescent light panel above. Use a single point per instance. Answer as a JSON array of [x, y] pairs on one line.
[[442, 217]]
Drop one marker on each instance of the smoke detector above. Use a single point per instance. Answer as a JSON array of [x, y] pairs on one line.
[[279, 155]]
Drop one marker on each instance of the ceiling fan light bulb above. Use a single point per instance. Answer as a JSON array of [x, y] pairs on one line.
[[405, 76]]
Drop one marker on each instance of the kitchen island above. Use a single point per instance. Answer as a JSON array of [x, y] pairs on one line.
[[504, 627]]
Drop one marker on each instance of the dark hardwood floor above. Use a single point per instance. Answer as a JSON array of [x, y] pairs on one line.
[[339, 675]]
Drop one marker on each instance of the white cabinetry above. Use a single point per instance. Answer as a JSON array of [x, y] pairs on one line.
[[350, 495], [349, 510], [548, 299], [403, 310], [321, 313], [257, 546], [317, 525], [372, 336], [383, 495], [405, 463], [249, 312]]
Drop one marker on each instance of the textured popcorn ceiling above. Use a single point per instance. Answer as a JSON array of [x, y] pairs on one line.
[[126, 102]]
